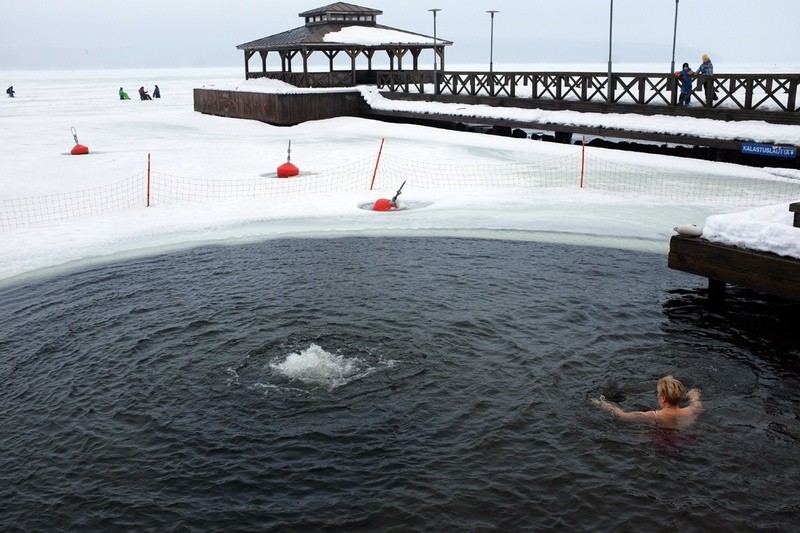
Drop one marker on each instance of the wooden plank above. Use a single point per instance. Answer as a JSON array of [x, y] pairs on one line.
[[760, 271]]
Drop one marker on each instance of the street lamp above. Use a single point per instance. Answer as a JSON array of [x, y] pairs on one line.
[[610, 25], [674, 36], [435, 53], [491, 41]]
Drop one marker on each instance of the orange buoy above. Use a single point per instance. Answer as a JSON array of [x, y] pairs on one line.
[[79, 149], [287, 170], [382, 204]]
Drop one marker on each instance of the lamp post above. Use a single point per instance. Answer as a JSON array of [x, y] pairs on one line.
[[491, 41], [435, 53], [610, 26], [674, 36]]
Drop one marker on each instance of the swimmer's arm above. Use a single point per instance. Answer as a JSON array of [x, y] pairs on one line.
[[694, 400], [632, 416]]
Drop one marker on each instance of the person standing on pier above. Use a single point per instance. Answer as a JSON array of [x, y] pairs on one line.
[[706, 68], [685, 79]]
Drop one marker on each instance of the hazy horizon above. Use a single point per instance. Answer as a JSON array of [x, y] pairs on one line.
[[91, 34]]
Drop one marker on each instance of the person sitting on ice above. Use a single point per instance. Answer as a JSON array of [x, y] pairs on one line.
[[123, 95], [143, 94], [10, 91], [156, 92]]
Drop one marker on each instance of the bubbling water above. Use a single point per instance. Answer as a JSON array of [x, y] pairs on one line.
[[317, 367]]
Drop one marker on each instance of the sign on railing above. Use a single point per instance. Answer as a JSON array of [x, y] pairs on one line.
[[769, 150]]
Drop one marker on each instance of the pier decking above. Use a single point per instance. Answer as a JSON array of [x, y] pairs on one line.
[[721, 264]]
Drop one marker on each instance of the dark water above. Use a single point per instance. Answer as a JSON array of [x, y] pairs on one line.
[[392, 384]]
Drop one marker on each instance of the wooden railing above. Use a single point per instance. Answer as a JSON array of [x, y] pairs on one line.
[[755, 92], [346, 78]]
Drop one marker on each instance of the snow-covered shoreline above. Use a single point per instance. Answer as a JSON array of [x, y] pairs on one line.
[[36, 138]]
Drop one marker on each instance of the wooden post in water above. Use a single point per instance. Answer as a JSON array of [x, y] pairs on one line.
[[716, 291], [795, 208]]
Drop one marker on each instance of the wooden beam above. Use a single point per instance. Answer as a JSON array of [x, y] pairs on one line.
[[761, 271]]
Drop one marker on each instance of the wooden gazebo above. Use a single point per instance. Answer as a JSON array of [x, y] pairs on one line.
[[334, 29]]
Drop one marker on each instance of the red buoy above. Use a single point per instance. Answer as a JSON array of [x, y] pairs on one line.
[[382, 204], [78, 149], [287, 170]]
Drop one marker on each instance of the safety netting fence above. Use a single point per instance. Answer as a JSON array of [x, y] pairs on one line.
[[589, 170]]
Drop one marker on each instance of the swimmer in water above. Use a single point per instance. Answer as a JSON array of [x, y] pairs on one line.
[[670, 414]]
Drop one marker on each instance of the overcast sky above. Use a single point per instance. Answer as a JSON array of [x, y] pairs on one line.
[[79, 34]]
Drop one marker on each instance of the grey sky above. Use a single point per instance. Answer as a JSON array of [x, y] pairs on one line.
[[78, 34]]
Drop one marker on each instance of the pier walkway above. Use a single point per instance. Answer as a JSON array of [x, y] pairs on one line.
[[767, 98], [760, 271]]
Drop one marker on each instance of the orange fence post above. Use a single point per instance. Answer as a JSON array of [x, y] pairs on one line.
[[148, 180], [378, 160], [583, 158]]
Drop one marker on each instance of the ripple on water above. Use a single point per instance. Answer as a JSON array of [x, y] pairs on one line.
[[364, 383]]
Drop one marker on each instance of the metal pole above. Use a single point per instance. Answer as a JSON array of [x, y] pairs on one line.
[[610, 26], [491, 41], [609, 83], [674, 37], [435, 53]]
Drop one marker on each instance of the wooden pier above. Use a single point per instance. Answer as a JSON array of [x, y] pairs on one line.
[[739, 97], [725, 96], [760, 271], [771, 97]]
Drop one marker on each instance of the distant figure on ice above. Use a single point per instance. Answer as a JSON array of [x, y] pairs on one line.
[[123, 95], [10, 91], [706, 68], [143, 94], [670, 415], [156, 92], [685, 79]]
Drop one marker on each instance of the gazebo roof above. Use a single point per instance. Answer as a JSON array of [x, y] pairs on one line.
[[341, 8], [316, 35], [347, 33]]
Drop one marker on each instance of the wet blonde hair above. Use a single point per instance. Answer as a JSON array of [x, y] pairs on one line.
[[671, 389]]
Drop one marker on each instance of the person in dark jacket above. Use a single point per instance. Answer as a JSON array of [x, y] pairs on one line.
[[10, 92], [156, 92], [685, 79], [143, 94]]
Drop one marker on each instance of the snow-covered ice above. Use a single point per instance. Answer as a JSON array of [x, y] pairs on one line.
[[35, 142]]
